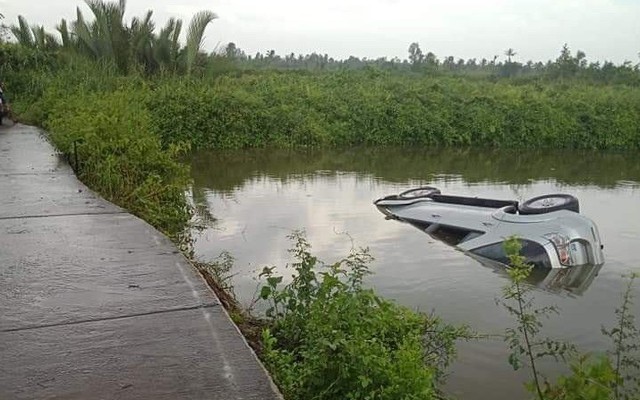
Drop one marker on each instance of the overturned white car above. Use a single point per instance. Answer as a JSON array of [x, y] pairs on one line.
[[551, 229]]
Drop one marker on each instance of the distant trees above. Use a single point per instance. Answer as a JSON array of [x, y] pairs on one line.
[[566, 66], [509, 68]]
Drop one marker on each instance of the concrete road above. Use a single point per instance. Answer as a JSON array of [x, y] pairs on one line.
[[97, 304]]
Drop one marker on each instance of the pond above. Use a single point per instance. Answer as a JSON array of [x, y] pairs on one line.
[[254, 199]]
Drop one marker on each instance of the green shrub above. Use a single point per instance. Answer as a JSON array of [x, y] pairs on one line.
[[330, 338], [119, 155], [589, 380]]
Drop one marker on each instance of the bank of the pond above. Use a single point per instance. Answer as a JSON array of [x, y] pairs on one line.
[[102, 122]]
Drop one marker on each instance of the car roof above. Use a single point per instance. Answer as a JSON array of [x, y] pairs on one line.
[[471, 218]]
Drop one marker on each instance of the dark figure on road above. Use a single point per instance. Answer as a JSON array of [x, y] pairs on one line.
[[5, 110]]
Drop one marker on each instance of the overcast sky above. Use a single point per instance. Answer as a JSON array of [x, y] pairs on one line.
[[536, 29]]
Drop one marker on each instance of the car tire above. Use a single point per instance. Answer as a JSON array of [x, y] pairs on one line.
[[548, 203], [419, 192]]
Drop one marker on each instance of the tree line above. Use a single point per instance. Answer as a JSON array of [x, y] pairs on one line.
[[567, 65]]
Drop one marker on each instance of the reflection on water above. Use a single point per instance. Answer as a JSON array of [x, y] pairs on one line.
[[253, 199], [225, 171], [573, 281]]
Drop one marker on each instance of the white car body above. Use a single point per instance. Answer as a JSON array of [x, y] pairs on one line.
[[553, 239]]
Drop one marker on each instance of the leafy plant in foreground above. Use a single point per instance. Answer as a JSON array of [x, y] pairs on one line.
[[331, 338], [590, 379]]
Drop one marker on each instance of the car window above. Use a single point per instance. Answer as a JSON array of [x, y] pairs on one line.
[[493, 251], [533, 252], [453, 236]]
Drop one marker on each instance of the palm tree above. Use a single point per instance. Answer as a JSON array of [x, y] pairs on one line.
[[510, 53], [106, 38], [67, 38], [141, 40]]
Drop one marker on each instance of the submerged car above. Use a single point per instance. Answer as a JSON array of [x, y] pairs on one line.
[[550, 228]]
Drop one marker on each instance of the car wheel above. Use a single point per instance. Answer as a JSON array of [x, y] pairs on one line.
[[423, 191], [549, 203]]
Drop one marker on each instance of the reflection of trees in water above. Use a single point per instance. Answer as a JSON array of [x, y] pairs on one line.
[[225, 171], [202, 216]]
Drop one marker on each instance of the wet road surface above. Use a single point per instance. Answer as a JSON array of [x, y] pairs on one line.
[[95, 303]]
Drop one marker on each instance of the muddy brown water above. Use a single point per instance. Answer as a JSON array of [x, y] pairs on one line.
[[253, 199]]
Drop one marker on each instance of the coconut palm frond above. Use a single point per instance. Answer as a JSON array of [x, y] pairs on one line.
[[142, 39], [22, 32], [195, 35], [175, 35], [50, 41], [65, 36], [101, 28], [122, 6], [162, 44], [175, 41], [109, 32], [38, 36], [84, 35]]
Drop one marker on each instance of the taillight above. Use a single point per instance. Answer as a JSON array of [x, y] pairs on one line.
[[561, 243]]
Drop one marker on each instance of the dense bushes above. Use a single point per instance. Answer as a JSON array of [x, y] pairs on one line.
[[232, 113], [120, 156], [331, 338], [349, 108]]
